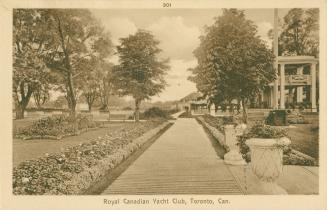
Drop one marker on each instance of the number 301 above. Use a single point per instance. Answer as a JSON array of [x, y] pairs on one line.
[[166, 4]]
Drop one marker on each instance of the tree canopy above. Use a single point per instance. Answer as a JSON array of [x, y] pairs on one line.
[[140, 73], [233, 62], [300, 33], [69, 42]]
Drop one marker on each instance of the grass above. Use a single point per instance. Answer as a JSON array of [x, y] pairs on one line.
[[26, 150], [305, 138]]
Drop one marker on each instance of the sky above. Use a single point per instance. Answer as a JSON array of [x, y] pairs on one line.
[[178, 31]]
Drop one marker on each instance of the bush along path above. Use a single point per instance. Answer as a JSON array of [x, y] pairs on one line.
[[77, 168]]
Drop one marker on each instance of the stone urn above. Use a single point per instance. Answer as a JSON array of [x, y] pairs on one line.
[[267, 162], [233, 157]]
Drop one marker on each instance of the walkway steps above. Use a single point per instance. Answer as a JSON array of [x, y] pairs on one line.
[[181, 161]]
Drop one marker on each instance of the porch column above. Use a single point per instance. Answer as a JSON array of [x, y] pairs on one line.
[[282, 86], [299, 90], [275, 48], [275, 90], [313, 87], [271, 102]]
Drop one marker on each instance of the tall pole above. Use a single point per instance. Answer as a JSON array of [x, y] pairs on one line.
[[275, 47]]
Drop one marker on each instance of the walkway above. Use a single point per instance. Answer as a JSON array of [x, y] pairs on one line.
[[181, 161]]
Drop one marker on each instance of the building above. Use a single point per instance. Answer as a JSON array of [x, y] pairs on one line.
[[297, 83], [195, 103]]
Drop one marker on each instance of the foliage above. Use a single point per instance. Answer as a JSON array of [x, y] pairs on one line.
[[82, 42], [41, 96], [67, 41], [277, 117], [300, 33], [259, 130], [186, 115], [56, 125], [219, 122], [105, 83], [29, 70], [127, 108], [155, 112], [140, 73], [233, 62], [48, 174]]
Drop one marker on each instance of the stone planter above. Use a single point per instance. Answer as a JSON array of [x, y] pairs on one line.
[[267, 162], [233, 157]]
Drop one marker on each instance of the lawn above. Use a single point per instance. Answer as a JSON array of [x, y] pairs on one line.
[[30, 149], [305, 138]]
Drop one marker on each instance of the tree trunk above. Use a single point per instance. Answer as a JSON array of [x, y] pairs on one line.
[[137, 110], [216, 107], [21, 105], [70, 83], [89, 102], [19, 112], [245, 114]]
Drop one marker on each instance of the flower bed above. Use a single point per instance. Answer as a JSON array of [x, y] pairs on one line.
[[216, 133], [76, 168], [219, 122], [57, 127]]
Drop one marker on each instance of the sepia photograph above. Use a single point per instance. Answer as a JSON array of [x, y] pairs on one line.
[[134, 104]]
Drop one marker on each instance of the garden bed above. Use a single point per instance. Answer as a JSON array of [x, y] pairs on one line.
[[76, 168], [216, 133], [57, 127], [219, 122]]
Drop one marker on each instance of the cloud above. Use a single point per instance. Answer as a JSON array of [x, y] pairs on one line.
[[177, 39], [263, 28], [119, 27], [178, 84]]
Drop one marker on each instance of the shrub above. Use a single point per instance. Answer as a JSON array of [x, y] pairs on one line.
[[259, 130], [154, 112], [186, 114], [127, 108], [277, 117]]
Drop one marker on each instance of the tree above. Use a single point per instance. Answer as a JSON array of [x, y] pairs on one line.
[[300, 33], [105, 84], [41, 95], [90, 84], [63, 40], [233, 62], [29, 70], [77, 38], [140, 72]]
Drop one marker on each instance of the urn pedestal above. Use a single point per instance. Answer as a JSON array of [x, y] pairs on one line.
[[267, 162], [233, 157]]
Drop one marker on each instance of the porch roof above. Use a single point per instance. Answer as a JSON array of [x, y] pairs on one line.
[[296, 59]]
